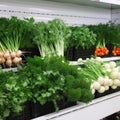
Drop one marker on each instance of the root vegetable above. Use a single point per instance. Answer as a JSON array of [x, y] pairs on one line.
[[118, 75], [113, 86], [13, 54], [101, 80], [8, 58], [106, 81], [107, 66], [101, 90], [112, 64], [114, 75], [19, 53], [106, 87], [80, 60], [116, 82], [115, 69], [3, 60], [0, 60], [6, 55], [1, 54], [9, 63], [96, 85], [93, 91], [110, 82], [20, 59], [16, 60]]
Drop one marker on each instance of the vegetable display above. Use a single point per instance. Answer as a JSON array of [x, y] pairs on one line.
[[10, 42], [50, 37], [104, 75], [101, 49], [50, 77], [13, 94], [82, 36]]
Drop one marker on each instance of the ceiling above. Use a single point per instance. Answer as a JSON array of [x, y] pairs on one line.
[[88, 2], [78, 2]]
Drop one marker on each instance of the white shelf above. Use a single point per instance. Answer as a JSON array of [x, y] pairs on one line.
[[104, 59], [10, 69], [95, 110]]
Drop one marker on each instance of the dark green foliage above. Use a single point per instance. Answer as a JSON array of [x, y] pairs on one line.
[[13, 94], [103, 32], [51, 37], [82, 36]]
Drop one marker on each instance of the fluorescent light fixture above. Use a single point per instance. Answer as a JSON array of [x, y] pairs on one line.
[[116, 2]]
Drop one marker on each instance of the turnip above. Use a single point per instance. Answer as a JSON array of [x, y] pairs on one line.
[[96, 85], [114, 75], [6, 54], [19, 53], [16, 60], [106, 81], [116, 82], [118, 75], [3, 60], [107, 66], [1, 54], [110, 82], [8, 58], [109, 70], [0, 60], [80, 60], [116, 69], [101, 90], [13, 54], [93, 91], [9, 63], [112, 64], [106, 87], [113, 86], [100, 80], [99, 59]]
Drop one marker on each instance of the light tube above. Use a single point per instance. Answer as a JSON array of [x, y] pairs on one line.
[[116, 2]]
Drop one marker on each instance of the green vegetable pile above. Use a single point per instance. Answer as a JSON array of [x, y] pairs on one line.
[[82, 36], [49, 79], [13, 94], [51, 37]]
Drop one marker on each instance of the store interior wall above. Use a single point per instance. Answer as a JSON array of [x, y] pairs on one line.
[[115, 16], [72, 14]]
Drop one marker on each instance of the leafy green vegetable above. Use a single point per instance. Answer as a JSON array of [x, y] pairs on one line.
[[82, 36], [53, 79], [13, 94], [50, 37]]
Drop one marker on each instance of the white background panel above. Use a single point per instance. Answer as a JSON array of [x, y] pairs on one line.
[[44, 11]]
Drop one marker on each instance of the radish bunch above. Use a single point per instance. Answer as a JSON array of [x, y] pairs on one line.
[[114, 73], [112, 80], [102, 84], [10, 59]]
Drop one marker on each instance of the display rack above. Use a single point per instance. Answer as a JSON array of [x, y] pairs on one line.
[[95, 110], [72, 15], [104, 59]]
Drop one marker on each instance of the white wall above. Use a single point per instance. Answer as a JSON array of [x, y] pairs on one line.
[[44, 11], [116, 16]]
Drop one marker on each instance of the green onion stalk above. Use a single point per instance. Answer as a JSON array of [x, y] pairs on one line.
[[92, 70]]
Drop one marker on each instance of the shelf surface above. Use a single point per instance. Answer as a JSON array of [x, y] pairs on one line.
[[104, 59], [95, 110]]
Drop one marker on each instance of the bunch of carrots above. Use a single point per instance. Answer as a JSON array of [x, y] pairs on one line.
[[116, 51], [101, 51]]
